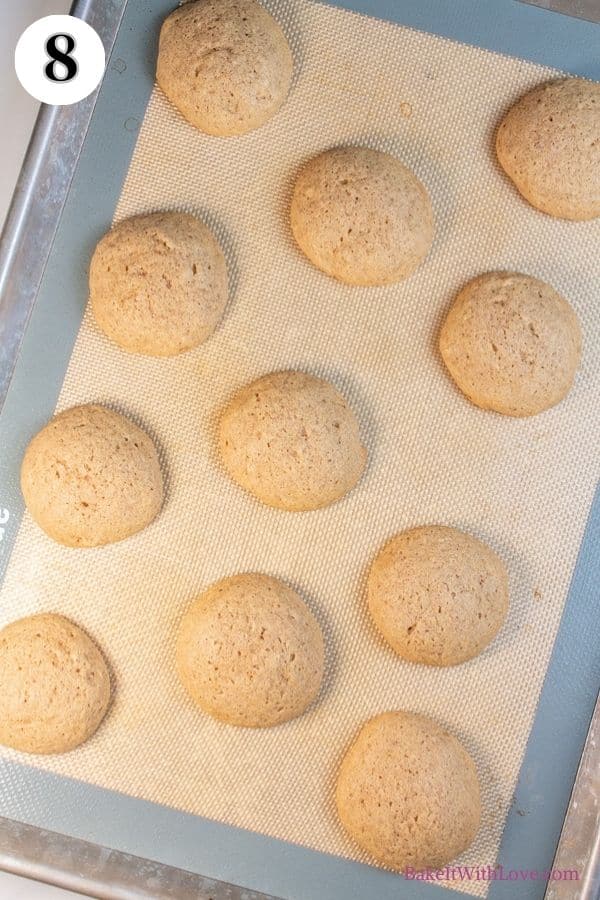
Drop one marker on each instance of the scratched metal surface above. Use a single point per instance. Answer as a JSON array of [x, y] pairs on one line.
[[575, 851], [581, 9], [102, 872]]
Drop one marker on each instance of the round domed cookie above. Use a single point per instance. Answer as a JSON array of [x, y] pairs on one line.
[[158, 283], [250, 652], [91, 477], [511, 343], [549, 145], [225, 64], [438, 596], [408, 792], [55, 685], [292, 441], [361, 216]]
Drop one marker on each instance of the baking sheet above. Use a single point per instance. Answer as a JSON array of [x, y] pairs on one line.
[[523, 486]]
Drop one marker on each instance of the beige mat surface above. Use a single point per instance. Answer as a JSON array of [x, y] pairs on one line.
[[523, 486]]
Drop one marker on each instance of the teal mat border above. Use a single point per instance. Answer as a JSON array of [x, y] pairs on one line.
[[505, 26], [216, 850]]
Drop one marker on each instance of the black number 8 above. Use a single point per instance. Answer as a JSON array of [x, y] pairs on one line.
[[63, 57]]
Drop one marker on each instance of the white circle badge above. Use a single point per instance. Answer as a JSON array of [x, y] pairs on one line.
[[59, 60]]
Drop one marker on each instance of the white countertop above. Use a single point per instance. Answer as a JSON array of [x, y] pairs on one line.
[[15, 888], [18, 111]]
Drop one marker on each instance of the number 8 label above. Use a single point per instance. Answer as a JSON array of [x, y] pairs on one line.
[[59, 56], [59, 60]]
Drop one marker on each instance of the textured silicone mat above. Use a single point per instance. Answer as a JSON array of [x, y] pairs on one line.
[[524, 486]]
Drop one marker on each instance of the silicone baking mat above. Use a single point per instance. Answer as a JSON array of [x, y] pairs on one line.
[[524, 486]]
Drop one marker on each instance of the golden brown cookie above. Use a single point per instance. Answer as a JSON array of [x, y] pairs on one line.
[[250, 652], [549, 145], [158, 283], [91, 477], [408, 792], [438, 596], [361, 216], [511, 343], [291, 440], [55, 685], [225, 64]]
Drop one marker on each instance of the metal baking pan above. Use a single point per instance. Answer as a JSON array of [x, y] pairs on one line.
[[138, 849]]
